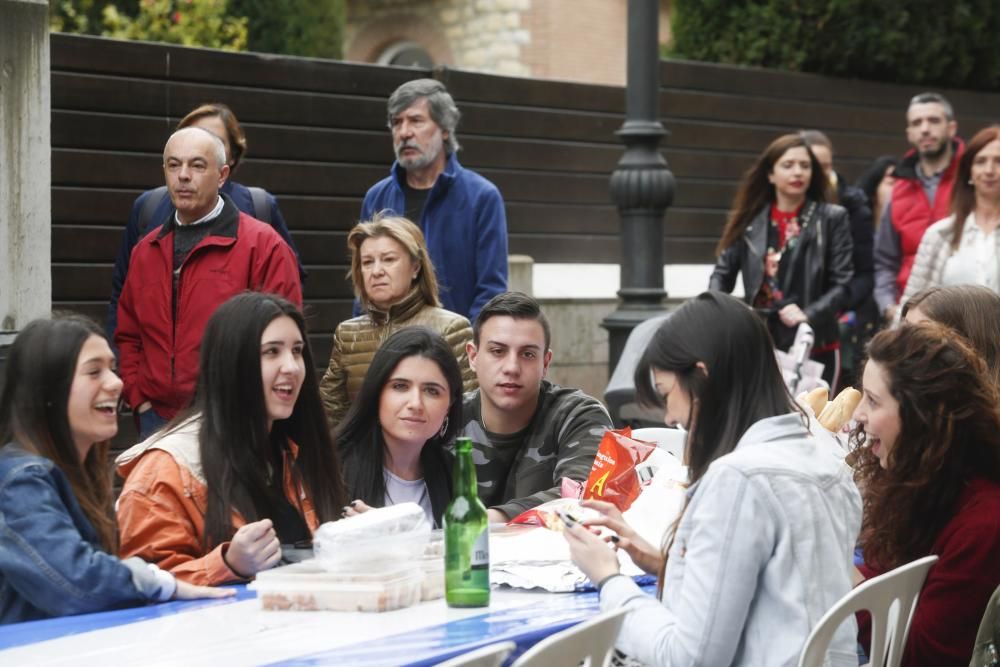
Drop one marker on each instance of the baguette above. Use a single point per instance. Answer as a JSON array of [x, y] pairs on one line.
[[838, 411], [816, 399]]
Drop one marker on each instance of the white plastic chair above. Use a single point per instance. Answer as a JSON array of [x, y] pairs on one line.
[[492, 655], [588, 643], [890, 598], [668, 439]]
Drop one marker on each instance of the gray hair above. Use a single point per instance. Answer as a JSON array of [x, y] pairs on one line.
[[933, 98], [816, 138], [440, 104], [218, 147]]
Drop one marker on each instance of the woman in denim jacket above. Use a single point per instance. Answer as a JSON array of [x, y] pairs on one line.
[[58, 412], [763, 546]]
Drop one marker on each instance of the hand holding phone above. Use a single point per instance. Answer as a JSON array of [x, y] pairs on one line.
[[568, 519]]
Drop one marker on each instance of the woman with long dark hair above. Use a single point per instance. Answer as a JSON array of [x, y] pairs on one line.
[[792, 247], [393, 439], [249, 467], [876, 182], [928, 460], [964, 248], [58, 413], [763, 546]]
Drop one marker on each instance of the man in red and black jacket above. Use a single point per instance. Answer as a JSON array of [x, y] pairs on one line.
[[208, 252], [920, 197]]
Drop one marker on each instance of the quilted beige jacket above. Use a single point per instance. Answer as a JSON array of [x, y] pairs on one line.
[[356, 340]]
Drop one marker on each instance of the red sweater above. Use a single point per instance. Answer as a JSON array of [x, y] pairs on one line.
[[958, 586]]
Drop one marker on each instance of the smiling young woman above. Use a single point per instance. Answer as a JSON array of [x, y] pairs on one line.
[[792, 248], [928, 461], [58, 412], [249, 467], [393, 439]]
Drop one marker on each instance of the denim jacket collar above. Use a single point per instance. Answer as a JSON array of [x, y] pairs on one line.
[[790, 425]]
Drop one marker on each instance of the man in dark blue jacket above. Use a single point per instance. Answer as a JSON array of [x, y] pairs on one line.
[[460, 213]]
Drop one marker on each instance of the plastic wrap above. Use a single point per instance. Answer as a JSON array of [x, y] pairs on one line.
[[376, 540]]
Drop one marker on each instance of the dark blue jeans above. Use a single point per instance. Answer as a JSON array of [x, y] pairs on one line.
[[149, 423]]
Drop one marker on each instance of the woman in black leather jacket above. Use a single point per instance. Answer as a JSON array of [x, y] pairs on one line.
[[793, 248]]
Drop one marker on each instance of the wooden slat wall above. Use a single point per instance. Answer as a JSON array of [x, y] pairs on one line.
[[721, 117], [318, 140]]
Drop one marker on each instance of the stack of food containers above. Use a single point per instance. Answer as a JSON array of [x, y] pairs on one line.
[[371, 562]]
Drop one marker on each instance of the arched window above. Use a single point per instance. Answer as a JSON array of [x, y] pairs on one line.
[[406, 54]]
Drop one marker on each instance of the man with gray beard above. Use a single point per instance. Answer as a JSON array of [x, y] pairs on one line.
[[460, 213]]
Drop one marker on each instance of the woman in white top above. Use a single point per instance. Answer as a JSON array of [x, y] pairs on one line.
[[964, 248], [764, 545], [392, 441]]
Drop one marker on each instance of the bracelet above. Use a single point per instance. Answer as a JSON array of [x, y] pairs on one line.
[[231, 568], [606, 579]]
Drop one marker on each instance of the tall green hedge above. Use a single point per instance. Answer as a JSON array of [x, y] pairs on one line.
[[953, 43]]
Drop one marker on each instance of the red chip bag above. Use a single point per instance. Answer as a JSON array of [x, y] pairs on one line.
[[613, 477], [544, 515]]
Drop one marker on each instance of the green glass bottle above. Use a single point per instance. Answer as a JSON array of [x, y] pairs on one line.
[[466, 537]]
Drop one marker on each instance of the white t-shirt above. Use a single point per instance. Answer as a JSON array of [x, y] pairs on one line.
[[398, 490]]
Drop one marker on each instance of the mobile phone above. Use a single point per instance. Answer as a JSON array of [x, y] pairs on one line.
[[567, 518]]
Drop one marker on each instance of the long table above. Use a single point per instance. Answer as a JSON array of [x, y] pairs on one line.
[[235, 631]]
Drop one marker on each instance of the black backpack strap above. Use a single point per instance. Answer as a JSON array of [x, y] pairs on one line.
[[156, 196], [261, 209]]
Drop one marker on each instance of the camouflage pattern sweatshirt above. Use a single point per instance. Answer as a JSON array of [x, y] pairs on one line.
[[521, 470]]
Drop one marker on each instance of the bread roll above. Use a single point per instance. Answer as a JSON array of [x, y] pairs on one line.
[[838, 411], [815, 399]]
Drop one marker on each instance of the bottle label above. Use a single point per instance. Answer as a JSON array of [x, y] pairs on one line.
[[480, 556]]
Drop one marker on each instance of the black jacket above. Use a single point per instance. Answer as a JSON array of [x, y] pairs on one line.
[[818, 277], [859, 212]]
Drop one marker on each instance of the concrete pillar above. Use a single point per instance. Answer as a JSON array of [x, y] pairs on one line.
[[25, 166], [519, 273]]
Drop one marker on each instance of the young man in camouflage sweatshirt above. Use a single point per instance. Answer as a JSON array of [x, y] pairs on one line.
[[527, 433]]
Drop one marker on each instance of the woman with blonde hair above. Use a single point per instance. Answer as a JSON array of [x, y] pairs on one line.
[[395, 283]]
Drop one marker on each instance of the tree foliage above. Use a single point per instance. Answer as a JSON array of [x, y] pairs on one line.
[[295, 27], [908, 41], [188, 22]]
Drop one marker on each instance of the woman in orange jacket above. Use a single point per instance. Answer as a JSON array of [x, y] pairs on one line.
[[249, 467]]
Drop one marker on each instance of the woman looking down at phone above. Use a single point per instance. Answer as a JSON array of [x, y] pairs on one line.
[[58, 412], [763, 546], [249, 467]]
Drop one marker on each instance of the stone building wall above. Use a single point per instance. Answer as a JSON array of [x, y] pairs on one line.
[[484, 35], [576, 40]]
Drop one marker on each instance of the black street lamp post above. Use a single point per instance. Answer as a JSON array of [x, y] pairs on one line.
[[642, 185]]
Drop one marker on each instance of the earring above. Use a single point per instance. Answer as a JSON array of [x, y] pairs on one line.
[[970, 182], [444, 427]]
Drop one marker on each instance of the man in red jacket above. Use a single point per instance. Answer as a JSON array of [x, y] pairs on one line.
[[920, 197], [179, 274]]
